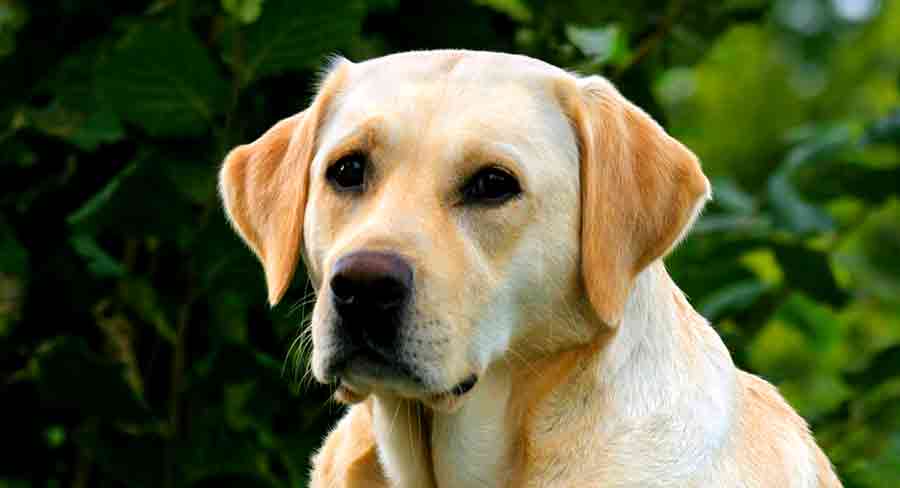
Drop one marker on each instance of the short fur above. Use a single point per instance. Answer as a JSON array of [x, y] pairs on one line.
[[594, 370]]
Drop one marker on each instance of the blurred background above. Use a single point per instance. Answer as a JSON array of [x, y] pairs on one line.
[[136, 347]]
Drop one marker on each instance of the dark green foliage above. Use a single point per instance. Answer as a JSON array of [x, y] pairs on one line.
[[135, 344]]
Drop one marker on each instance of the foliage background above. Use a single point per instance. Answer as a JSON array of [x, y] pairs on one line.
[[136, 348]]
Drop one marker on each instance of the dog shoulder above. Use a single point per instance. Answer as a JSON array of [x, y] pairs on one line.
[[349, 456], [778, 446]]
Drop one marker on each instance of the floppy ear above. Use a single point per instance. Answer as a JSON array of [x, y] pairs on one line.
[[640, 192], [263, 187], [264, 184]]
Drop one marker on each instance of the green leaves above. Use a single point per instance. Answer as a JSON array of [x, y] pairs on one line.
[[70, 376], [291, 36], [163, 80], [869, 255]]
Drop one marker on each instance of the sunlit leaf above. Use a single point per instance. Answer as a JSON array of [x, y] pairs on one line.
[[601, 44], [246, 11]]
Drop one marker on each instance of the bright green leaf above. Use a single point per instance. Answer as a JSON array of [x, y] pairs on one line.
[[601, 44], [246, 11]]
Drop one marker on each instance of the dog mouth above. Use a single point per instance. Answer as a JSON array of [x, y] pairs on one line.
[[447, 400], [463, 386]]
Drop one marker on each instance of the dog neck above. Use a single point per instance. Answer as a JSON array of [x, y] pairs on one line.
[[641, 379]]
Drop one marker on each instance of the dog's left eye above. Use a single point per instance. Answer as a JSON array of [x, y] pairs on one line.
[[490, 186]]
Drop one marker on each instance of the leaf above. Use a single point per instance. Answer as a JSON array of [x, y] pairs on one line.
[[295, 35], [789, 209], [12, 300], [816, 321], [516, 9], [728, 195], [810, 271], [143, 299], [883, 367], [87, 131], [133, 460], [130, 204], [246, 11], [77, 114], [12, 18], [89, 209], [71, 376], [852, 178], [732, 298], [871, 254], [601, 44], [815, 395], [885, 129], [722, 119], [13, 255], [163, 80], [101, 264], [194, 179]]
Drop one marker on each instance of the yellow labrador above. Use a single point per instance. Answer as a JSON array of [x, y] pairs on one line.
[[485, 234]]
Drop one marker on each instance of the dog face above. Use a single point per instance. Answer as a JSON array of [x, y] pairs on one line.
[[451, 206]]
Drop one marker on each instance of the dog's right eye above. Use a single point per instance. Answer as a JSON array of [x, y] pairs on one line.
[[348, 173]]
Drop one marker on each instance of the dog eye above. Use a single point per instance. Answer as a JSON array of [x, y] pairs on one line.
[[490, 186], [348, 173]]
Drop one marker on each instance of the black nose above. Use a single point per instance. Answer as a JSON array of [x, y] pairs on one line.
[[369, 284]]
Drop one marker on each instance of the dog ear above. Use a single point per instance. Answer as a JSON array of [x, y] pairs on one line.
[[640, 192], [264, 184], [263, 188]]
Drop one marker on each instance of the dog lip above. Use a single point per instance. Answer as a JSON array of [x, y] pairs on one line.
[[370, 366], [464, 386]]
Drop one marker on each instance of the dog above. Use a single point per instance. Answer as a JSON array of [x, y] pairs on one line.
[[485, 235]]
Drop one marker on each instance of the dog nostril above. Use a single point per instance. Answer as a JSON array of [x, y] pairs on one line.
[[388, 292], [343, 289]]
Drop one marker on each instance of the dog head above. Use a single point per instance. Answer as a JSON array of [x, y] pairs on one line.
[[458, 208]]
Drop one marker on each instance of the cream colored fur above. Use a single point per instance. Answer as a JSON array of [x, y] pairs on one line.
[[593, 369]]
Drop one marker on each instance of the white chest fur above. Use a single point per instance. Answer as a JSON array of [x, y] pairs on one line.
[[468, 448], [471, 447]]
